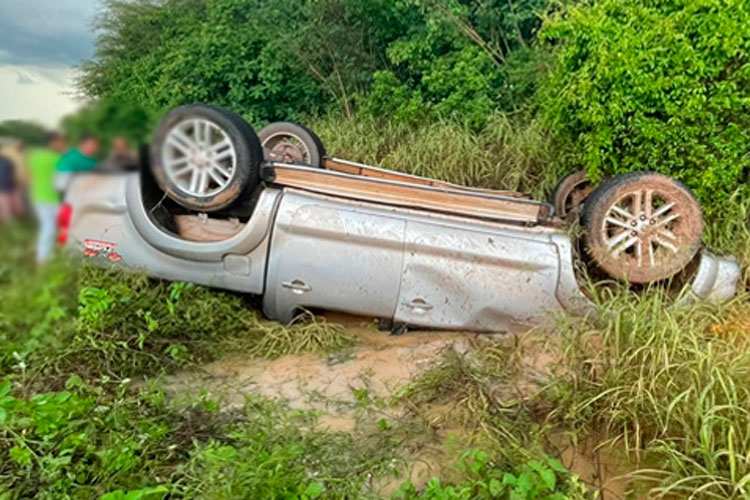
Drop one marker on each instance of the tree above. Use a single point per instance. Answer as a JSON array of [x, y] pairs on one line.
[[464, 58], [162, 54], [28, 132], [288, 59], [109, 118]]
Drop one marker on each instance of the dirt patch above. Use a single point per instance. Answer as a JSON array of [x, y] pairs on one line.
[[335, 384], [603, 469], [348, 387]]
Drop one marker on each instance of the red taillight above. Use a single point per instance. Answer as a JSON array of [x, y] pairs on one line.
[[64, 217]]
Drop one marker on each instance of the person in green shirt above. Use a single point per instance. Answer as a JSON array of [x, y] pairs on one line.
[[76, 160], [42, 193]]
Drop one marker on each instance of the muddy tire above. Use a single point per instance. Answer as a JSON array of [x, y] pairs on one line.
[[642, 227], [291, 143], [570, 194], [205, 157]]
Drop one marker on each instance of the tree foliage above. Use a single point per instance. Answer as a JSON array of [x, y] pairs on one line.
[[288, 58], [465, 58], [621, 84], [656, 85], [109, 118], [25, 131]]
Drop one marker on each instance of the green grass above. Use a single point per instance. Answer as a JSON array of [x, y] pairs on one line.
[[669, 385], [665, 386]]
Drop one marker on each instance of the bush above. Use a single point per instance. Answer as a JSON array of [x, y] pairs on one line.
[[657, 85], [129, 325], [461, 60]]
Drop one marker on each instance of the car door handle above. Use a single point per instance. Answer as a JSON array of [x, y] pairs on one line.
[[418, 305], [297, 286]]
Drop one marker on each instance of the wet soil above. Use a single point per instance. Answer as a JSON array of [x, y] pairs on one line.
[[333, 384], [340, 386]]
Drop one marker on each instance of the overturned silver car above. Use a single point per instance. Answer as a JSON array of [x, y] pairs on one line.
[[273, 215]]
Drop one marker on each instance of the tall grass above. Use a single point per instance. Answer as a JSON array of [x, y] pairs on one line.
[[670, 385], [729, 232], [506, 154]]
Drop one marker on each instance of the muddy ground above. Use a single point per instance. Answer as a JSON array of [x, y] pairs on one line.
[[373, 370]]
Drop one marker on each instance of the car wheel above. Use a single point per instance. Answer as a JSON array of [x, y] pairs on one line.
[[570, 193], [205, 157], [291, 143], [642, 227]]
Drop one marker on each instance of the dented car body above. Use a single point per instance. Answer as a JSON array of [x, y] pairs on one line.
[[324, 249]]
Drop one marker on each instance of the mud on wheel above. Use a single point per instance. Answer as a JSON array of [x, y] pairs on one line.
[[642, 227], [205, 157], [570, 194], [292, 143]]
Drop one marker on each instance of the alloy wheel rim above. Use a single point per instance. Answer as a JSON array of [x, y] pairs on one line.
[[199, 157], [643, 227], [287, 148]]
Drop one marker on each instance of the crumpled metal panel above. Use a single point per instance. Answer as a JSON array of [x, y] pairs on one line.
[[476, 278]]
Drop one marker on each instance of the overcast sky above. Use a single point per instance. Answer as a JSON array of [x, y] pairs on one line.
[[40, 42], [46, 32]]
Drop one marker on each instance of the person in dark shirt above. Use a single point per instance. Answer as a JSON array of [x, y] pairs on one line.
[[7, 188], [120, 157]]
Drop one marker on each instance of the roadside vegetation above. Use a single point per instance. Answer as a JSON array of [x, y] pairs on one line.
[[500, 94], [81, 414]]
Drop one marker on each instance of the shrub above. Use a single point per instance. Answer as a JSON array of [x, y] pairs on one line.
[[462, 60], [657, 85], [129, 325]]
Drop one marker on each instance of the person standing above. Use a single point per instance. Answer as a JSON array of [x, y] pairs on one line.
[[121, 157], [76, 160], [7, 188], [15, 151], [44, 197]]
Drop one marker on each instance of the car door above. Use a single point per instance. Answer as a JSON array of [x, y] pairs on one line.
[[334, 255], [465, 276]]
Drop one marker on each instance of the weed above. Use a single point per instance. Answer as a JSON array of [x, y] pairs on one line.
[[544, 479], [82, 441]]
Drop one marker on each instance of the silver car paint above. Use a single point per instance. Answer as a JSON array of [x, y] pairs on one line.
[[109, 208], [303, 250], [415, 267]]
